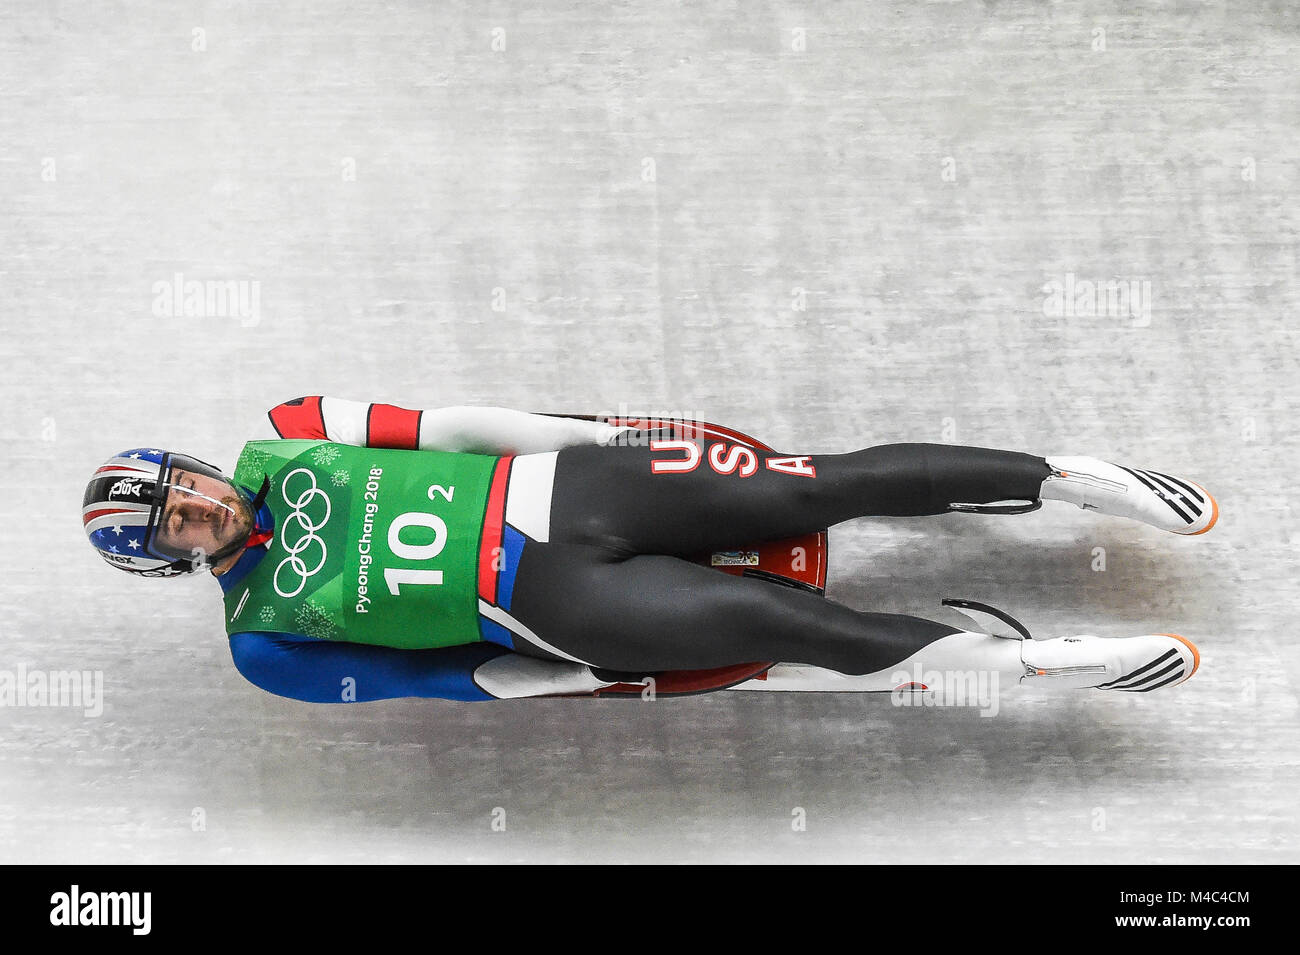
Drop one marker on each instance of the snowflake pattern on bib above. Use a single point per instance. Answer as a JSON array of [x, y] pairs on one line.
[[325, 455], [251, 468], [314, 621]]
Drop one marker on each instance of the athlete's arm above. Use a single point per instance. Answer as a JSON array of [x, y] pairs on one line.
[[473, 430], [321, 671]]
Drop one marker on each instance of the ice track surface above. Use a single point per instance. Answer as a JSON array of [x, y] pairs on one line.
[[829, 239]]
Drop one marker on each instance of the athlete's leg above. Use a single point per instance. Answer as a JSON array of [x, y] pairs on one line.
[[629, 497], [653, 612], [650, 613]]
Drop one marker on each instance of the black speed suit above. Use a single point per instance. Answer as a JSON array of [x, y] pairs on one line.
[[607, 589]]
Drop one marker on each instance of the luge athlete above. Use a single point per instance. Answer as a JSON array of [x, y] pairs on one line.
[[368, 552]]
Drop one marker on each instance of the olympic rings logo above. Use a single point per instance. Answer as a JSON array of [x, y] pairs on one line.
[[295, 563]]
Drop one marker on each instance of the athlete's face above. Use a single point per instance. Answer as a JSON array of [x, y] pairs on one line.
[[202, 514]]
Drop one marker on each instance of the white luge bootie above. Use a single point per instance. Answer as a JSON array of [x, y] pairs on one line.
[[1137, 664], [1161, 500]]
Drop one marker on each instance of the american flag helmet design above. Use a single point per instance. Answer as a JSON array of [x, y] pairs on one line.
[[121, 507]]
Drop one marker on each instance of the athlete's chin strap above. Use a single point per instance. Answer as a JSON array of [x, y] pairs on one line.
[[264, 490], [259, 535]]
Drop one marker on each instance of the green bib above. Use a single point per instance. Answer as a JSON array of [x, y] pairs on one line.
[[371, 545]]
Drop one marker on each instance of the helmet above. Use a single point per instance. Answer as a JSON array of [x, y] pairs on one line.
[[123, 507]]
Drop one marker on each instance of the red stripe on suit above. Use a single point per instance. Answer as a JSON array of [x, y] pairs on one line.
[[389, 426], [494, 520], [299, 420]]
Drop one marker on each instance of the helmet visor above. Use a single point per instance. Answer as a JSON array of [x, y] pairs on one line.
[[198, 514]]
